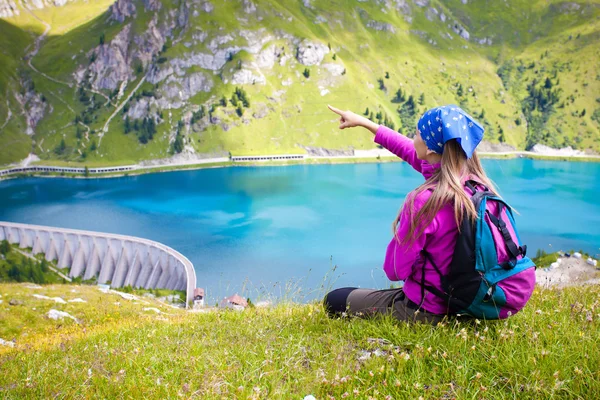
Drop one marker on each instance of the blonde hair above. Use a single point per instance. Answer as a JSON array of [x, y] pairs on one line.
[[447, 185]]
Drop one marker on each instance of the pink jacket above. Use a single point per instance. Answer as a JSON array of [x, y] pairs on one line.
[[438, 238]]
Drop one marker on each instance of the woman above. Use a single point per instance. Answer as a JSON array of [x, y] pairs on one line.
[[426, 230]]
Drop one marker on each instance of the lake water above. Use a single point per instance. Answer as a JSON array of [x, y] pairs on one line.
[[278, 231]]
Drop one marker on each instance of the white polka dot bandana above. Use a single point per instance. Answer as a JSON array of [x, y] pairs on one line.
[[444, 123]]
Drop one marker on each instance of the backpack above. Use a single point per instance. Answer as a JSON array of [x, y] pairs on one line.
[[490, 276]]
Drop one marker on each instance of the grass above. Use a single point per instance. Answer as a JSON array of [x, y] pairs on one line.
[[292, 350]]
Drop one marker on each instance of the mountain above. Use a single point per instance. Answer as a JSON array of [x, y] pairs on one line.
[[114, 82]]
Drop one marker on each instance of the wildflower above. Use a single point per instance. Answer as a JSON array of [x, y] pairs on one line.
[[240, 388], [388, 397], [477, 321], [346, 394], [429, 349], [485, 329], [356, 392], [371, 373], [478, 375], [578, 371], [483, 388], [444, 354], [397, 383], [555, 375], [382, 369], [473, 347], [588, 316]]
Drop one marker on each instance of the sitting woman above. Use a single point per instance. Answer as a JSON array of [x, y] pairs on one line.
[[427, 227]]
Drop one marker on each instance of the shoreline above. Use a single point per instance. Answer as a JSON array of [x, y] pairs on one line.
[[315, 160]]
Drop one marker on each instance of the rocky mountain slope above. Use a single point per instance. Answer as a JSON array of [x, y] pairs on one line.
[[111, 82]]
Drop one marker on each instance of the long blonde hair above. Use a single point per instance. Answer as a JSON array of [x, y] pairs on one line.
[[447, 184]]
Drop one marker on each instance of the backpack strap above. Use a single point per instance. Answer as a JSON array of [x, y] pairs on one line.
[[513, 249]]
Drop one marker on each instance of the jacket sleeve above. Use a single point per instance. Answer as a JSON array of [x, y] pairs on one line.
[[400, 258], [398, 144]]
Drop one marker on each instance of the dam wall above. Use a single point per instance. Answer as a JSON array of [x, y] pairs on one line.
[[112, 259]]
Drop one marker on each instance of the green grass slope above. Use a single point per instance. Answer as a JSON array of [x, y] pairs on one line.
[[501, 83], [121, 348]]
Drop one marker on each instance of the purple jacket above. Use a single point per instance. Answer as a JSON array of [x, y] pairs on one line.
[[439, 237]]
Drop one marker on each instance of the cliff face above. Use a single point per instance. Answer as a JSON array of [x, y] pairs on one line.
[[256, 72]]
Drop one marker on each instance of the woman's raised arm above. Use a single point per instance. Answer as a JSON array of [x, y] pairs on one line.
[[395, 142]]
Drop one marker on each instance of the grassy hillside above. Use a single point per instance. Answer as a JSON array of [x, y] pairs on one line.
[[121, 348], [499, 74]]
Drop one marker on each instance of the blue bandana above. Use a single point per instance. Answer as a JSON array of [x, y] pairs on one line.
[[441, 124]]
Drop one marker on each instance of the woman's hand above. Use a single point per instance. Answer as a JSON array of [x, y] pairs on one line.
[[348, 119]]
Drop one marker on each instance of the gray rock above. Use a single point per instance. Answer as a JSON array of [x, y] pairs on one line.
[[159, 74], [334, 69], [460, 30], [8, 9], [184, 15], [212, 62], [421, 3], [112, 63], [266, 58], [152, 5], [311, 53], [320, 19], [15, 302], [32, 106], [177, 91], [141, 108], [246, 77], [249, 7], [216, 42], [432, 13], [487, 147], [122, 9], [381, 26], [323, 152], [149, 44]]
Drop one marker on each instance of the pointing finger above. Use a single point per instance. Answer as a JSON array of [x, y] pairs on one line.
[[335, 110]]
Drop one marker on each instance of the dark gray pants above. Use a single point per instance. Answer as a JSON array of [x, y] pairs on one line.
[[369, 302]]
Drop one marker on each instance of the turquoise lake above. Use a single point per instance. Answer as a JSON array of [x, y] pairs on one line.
[[278, 231]]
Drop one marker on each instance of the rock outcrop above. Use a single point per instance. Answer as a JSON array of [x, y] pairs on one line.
[[8, 8], [111, 65], [33, 105], [311, 53]]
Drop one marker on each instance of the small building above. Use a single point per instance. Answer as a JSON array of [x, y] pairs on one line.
[[235, 302], [198, 298]]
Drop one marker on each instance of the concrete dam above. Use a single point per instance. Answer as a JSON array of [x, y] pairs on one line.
[[115, 259]]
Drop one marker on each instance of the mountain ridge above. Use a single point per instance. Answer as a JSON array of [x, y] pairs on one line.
[[183, 65]]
